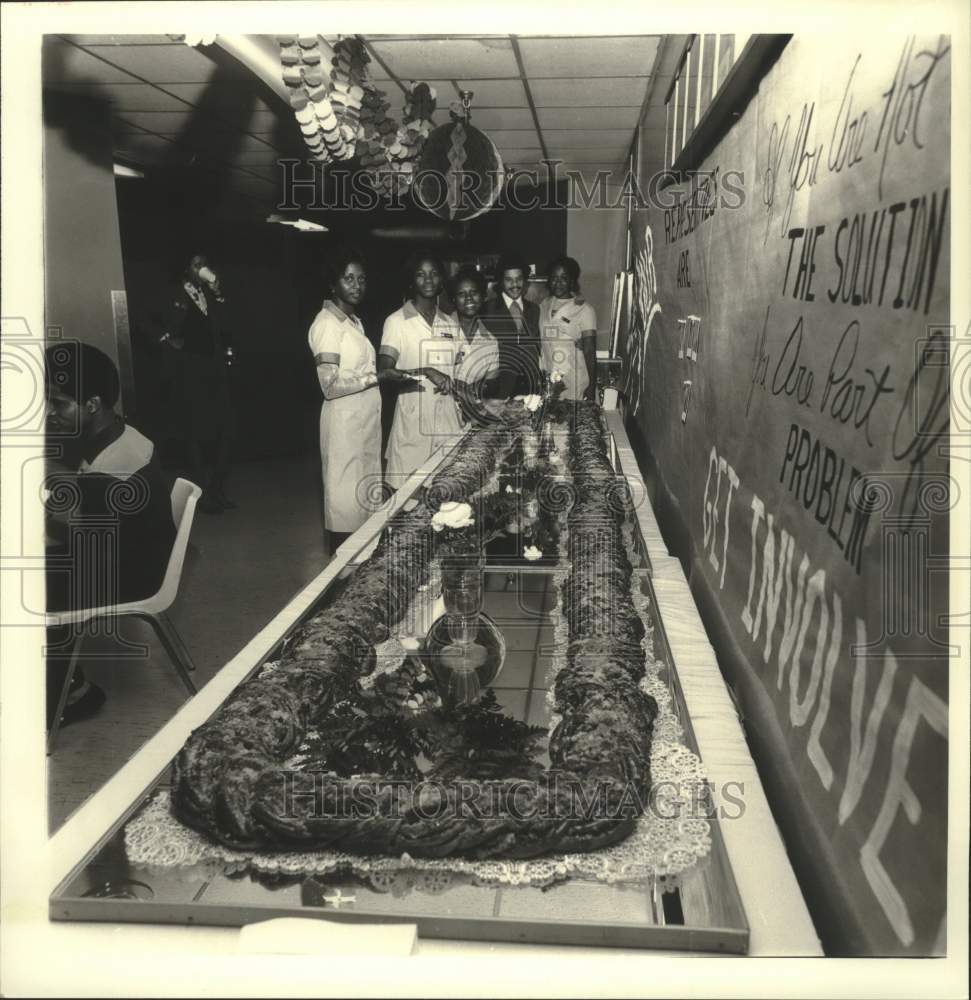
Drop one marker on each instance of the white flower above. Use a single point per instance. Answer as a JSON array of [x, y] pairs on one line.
[[532, 553], [452, 515], [556, 376], [532, 403]]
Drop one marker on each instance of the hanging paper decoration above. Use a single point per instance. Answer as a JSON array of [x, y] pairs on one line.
[[342, 114], [457, 152], [300, 58]]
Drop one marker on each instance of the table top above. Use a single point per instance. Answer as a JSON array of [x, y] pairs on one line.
[[778, 920]]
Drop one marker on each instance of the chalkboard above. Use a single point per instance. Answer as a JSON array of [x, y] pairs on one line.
[[788, 367]]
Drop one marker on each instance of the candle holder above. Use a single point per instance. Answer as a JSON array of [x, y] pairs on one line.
[[464, 648]]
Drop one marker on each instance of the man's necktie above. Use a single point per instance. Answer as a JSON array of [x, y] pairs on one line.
[[515, 310]]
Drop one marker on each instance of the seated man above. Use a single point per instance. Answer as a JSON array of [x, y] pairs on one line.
[[113, 543]]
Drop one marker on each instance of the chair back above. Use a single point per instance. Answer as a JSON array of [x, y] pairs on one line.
[[185, 495]]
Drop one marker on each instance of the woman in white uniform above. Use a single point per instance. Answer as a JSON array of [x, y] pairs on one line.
[[350, 417], [568, 331], [419, 349], [477, 364]]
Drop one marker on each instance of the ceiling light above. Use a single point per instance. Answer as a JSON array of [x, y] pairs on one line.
[[124, 171], [301, 224]]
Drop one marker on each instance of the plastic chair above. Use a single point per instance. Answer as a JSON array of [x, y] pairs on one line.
[[152, 609]]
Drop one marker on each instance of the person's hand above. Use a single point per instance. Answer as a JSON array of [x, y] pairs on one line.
[[441, 381], [168, 340]]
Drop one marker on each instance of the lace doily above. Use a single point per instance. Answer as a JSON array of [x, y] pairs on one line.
[[670, 838]]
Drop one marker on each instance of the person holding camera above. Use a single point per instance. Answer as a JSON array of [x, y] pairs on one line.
[[196, 331]]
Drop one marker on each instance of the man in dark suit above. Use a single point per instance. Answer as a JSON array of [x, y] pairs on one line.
[[514, 322]]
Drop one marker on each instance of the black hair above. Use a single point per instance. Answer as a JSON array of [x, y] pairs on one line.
[[411, 265], [82, 371], [512, 261], [186, 255], [338, 262], [572, 270], [467, 272]]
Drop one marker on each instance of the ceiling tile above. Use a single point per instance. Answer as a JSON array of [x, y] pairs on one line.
[[582, 138], [609, 154], [495, 93], [587, 118], [447, 58], [222, 145], [119, 127], [581, 58], [514, 138], [596, 93], [589, 171], [261, 173], [175, 63], [144, 148], [511, 118], [166, 122], [268, 121], [218, 96], [119, 39], [252, 158], [261, 144], [65, 63], [127, 97]]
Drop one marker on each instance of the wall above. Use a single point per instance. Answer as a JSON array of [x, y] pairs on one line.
[[788, 373], [82, 250], [595, 237]]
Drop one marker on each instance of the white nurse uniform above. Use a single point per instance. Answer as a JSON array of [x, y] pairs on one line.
[[350, 419], [426, 420]]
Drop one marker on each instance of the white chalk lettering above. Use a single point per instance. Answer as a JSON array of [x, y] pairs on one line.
[[814, 748], [863, 744], [921, 703]]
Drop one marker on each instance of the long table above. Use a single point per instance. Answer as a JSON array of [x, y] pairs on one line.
[[778, 920]]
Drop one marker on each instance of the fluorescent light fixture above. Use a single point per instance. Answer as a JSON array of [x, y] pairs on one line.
[[122, 171], [300, 224]]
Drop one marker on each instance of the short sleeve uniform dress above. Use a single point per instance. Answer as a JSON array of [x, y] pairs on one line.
[[478, 357], [561, 322], [350, 426], [423, 421]]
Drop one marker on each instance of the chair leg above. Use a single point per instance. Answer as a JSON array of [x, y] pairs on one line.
[[174, 646], [62, 697]]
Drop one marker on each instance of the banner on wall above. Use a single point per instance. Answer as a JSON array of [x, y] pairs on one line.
[[788, 365]]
